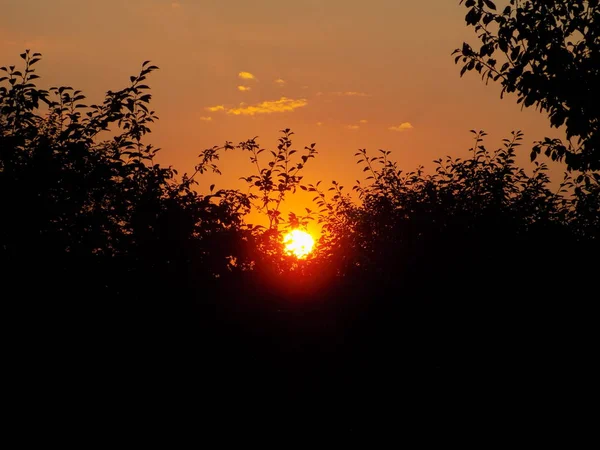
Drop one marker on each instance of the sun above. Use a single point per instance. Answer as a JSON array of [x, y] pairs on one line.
[[298, 243]]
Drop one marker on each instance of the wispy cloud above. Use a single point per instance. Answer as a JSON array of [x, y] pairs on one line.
[[350, 94], [279, 81], [319, 124], [246, 76], [243, 88], [402, 127], [175, 5], [206, 118], [356, 126], [284, 104]]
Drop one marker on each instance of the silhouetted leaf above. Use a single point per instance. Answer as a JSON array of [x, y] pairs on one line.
[[490, 4]]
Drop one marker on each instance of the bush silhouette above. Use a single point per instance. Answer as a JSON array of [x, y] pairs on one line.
[[460, 268], [83, 194]]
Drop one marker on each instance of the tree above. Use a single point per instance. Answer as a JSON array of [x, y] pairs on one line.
[[480, 213], [85, 207], [95, 232], [548, 52]]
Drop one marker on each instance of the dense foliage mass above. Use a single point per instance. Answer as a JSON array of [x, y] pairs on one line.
[[548, 53], [414, 269]]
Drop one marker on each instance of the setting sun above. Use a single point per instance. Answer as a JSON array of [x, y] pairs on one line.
[[298, 243]]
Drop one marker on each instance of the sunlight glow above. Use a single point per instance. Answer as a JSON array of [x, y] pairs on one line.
[[298, 243]]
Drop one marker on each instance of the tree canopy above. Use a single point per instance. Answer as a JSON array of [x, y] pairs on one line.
[[548, 53], [414, 270]]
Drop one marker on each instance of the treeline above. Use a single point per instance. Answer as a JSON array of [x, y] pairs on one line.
[[94, 233], [476, 272]]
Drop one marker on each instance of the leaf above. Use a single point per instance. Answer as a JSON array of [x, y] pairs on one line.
[[473, 16], [490, 4], [514, 54], [503, 45]]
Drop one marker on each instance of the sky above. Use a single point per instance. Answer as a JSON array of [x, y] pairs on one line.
[[344, 74]]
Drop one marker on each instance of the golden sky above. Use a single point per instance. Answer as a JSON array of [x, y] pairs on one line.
[[346, 74]]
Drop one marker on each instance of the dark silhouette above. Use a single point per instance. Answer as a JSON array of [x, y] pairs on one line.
[[113, 263], [548, 52]]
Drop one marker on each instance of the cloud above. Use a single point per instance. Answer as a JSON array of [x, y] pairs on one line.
[[279, 81], [355, 126], [350, 94], [175, 5], [206, 118], [243, 88], [284, 104], [319, 124], [402, 127], [246, 76]]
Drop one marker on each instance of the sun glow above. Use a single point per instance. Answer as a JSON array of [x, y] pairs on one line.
[[298, 243]]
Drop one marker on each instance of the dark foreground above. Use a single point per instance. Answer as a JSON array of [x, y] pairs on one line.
[[336, 353]]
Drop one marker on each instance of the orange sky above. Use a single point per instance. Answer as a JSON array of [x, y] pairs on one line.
[[346, 74]]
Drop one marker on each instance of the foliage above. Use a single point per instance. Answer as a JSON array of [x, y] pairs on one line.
[[274, 178], [279, 176], [471, 215], [86, 197], [548, 52], [93, 228], [82, 194]]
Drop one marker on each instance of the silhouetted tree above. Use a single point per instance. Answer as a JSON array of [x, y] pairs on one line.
[[548, 52], [85, 206], [469, 218], [92, 228]]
